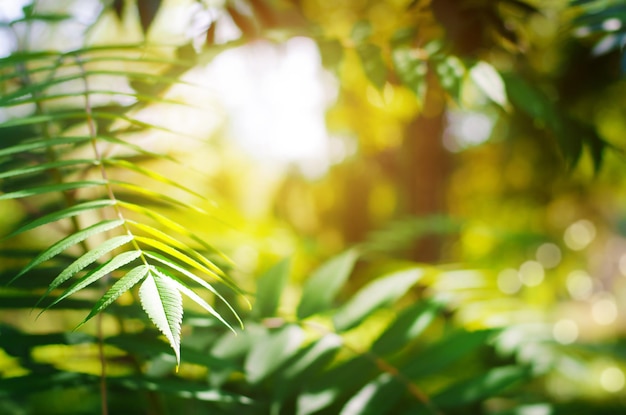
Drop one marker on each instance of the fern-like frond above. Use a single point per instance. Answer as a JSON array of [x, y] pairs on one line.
[[59, 160]]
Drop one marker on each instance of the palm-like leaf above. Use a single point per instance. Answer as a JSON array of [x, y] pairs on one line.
[[43, 160]]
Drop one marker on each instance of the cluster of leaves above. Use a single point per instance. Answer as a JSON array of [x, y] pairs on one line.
[[55, 162], [306, 364]]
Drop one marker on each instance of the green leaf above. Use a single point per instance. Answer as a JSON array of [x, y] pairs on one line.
[[21, 171], [163, 304], [361, 31], [307, 363], [120, 287], [175, 243], [451, 72], [321, 288], [375, 295], [93, 276], [409, 325], [62, 214], [157, 196], [180, 387], [490, 82], [198, 280], [485, 385], [331, 52], [60, 187], [148, 344], [381, 394], [445, 352], [167, 223], [373, 64], [68, 241], [411, 69], [270, 287], [182, 257], [41, 143], [151, 174], [339, 381], [271, 350], [193, 296], [89, 258]]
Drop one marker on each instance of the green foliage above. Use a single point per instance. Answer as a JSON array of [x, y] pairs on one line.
[[109, 236], [115, 247]]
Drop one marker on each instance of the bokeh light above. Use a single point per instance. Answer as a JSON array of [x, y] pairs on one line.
[[579, 234]]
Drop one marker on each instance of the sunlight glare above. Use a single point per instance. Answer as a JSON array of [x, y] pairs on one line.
[[579, 234], [604, 310], [579, 285], [612, 379], [277, 96]]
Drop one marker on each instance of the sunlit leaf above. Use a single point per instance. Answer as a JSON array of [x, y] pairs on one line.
[[307, 363], [20, 171], [321, 288], [479, 387], [69, 241], [52, 188], [490, 82], [89, 258], [373, 64], [193, 296], [63, 214], [163, 304], [196, 279], [120, 287], [377, 294], [271, 350], [270, 288], [411, 322], [105, 269]]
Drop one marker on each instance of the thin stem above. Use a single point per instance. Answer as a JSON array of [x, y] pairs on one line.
[[93, 133], [104, 406]]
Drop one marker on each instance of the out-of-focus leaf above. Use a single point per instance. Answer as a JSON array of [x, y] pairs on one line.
[[373, 64], [445, 352], [361, 31], [568, 132], [490, 82], [41, 381], [163, 304], [180, 387], [482, 386], [271, 350], [411, 69], [51, 188], [451, 72], [340, 381], [331, 52], [270, 288], [410, 324], [380, 394], [324, 284], [375, 295], [307, 363], [148, 344]]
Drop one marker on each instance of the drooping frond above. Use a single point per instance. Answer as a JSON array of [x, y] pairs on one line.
[[68, 153]]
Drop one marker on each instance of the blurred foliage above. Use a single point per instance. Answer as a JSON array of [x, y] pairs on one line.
[[464, 251]]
